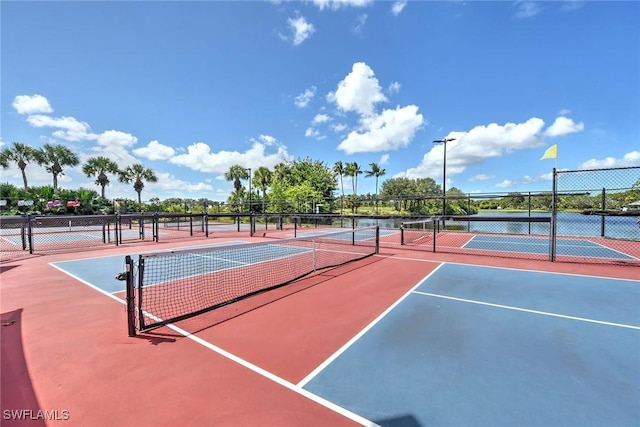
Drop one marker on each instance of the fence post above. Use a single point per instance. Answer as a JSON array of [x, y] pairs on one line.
[[552, 229], [30, 234], [604, 208]]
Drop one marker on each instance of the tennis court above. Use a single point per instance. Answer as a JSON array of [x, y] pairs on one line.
[[398, 337]]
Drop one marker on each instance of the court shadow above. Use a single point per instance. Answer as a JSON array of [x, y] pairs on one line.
[[399, 421], [18, 399], [4, 268], [157, 338], [259, 300]]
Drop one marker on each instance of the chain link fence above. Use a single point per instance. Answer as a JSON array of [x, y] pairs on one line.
[[598, 211]]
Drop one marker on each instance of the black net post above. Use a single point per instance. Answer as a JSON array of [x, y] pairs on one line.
[[377, 239], [191, 225], [206, 224], [402, 234], [128, 276]]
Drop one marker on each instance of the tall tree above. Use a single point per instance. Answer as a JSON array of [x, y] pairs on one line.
[[236, 173], [99, 167], [55, 157], [353, 170], [261, 180], [375, 171], [137, 174], [338, 169], [20, 154]]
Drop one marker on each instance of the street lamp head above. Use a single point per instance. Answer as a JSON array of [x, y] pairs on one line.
[[440, 141]]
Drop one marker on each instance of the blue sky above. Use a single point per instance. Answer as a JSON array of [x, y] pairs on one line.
[[191, 88]]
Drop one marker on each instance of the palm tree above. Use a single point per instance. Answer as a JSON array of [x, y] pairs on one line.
[[338, 169], [99, 167], [377, 172], [137, 174], [262, 179], [20, 154], [236, 173], [55, 157], [353, 170]]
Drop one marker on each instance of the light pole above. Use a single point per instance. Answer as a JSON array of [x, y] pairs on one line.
[[444, 175]]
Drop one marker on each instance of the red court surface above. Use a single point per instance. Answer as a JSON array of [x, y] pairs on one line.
[[65, 349]]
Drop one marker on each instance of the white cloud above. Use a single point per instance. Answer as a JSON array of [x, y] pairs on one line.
[[337, 4], [394, 87], [631, 158], [155, 151], [527, 9], [312, 133], [564, 112], [384, 159], [505, 184], [476, 145], [70, 129], [397, 7], [115, 145], [390, 130], [25, 104], [301, 29], [267, 140], [359, 91], [339, 127], [168, 182], [563, 126], [571, 5], [199, 157], [302, 100], [321, 118], [361, 20], [482, 177]]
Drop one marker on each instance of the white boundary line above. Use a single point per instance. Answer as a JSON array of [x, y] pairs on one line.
[[349, 343], [526, 310], [246, 364]]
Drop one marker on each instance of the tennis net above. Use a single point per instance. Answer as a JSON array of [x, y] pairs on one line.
[[166, 287], [418, 232]]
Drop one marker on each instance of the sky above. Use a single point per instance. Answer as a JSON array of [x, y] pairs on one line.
[[189, 89]]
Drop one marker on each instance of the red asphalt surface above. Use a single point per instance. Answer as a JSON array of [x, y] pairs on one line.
[[65, 350]]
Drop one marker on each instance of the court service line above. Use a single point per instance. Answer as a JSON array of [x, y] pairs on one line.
[[245, 363], [349, 343], [526, 310]]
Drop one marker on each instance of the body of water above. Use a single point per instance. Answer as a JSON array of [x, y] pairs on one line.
[[568, 223]]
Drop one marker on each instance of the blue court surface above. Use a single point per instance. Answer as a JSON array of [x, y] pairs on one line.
[[100, 272], [540, 245], [483, 346]]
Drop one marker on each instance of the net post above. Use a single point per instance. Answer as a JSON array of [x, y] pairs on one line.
[[377, 239], [131, 299], [104, 232], [238, 220], [206, 224], [190, 225], [252, 225], [156, 226], [402, 234], [295, 226]]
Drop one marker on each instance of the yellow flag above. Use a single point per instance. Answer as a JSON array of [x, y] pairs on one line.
[[551, 153]]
